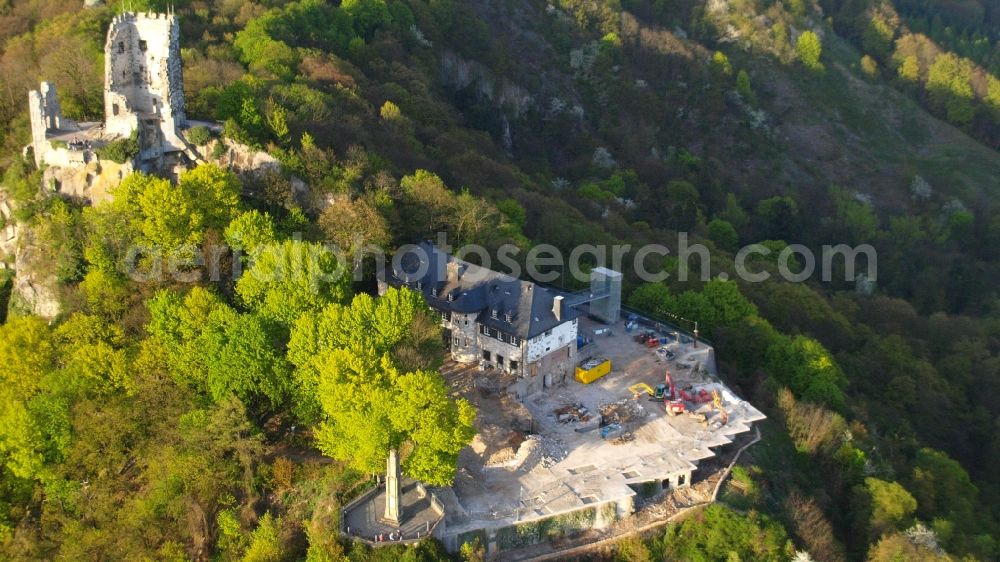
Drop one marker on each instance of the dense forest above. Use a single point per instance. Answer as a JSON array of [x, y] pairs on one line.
[[198, 418]]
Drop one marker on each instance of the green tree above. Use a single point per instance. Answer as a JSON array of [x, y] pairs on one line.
[[250, 231], [265, 546], [366, 15], [897, 547], [213, 193], [95, 353], [878, 35], [264, 54], [29, 356], [808, 369], [722, 233], [353, 224], [653, 298], [291, 277], [949, 88], [371, 407], [942, 488], [682, 210], [398, 323], [390, 112], [879, 506], [909, 69], [777, 218], [428, 203], [371, 367], [809, 48], [214, 349], [198, 135], [167, 217], [720, 64], [743, 87]]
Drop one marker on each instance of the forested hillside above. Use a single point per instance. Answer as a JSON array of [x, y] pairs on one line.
[[191, 419]]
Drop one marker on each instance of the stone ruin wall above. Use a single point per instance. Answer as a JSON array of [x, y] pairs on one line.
[[45, 113], [143, 76]]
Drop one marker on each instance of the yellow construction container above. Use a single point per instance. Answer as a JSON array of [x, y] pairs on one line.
[[592, 369]]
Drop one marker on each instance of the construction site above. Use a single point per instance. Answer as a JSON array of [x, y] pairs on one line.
[[643, 418]]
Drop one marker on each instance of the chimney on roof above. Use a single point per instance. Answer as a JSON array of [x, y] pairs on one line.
[[557, 306]]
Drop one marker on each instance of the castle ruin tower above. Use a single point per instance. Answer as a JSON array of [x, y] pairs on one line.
[[45, 115], [143, 81]]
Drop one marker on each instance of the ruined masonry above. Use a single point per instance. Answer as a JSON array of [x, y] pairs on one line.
[[143, 94], [143, 83]]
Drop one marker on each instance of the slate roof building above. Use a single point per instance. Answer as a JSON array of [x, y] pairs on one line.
[[523, 331]]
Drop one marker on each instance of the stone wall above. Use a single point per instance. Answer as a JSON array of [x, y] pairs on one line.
[[45, 114], [143, 79]]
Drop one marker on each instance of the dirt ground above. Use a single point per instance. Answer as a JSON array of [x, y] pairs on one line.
[[551, 453]]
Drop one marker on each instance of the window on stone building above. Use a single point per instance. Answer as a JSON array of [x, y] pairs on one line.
[[121, 47], [142, 45], [114, 109], [500, 360], [513, 365], [486, 354]]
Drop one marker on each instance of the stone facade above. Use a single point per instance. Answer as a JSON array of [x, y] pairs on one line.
[[143, 81], [540, 362], [143, 94], [512, 327]]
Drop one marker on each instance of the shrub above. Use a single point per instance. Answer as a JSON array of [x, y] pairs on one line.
[[219, 150], [199, 136], [121, 150]]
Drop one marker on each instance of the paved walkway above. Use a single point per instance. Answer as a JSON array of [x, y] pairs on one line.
[[364, 519]]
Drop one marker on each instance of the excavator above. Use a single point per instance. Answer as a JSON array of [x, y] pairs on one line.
[[717, 404], [671, 400]]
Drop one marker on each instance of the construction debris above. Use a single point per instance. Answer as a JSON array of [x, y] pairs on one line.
[[622, 412], [572, 413], [553, 449]]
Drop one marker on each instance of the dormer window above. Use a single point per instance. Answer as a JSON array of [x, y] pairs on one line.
[[494, 313], [420, 285], [434, 292], [451, 297], [508, 317]]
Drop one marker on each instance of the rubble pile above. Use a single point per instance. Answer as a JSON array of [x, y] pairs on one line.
[[622, 412], [553, 449], [572, 413]]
